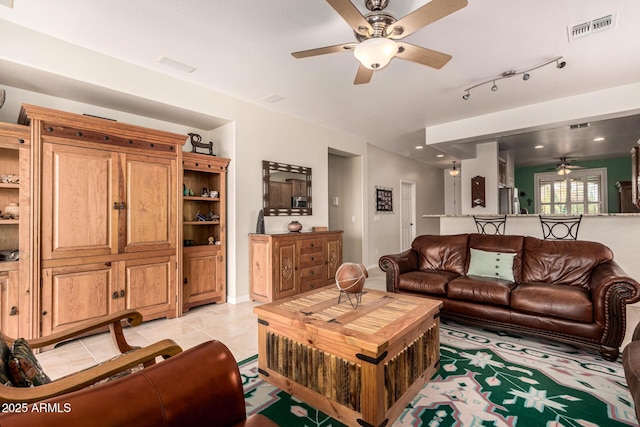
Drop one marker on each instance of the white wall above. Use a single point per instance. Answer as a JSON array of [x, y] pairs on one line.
[[387, 170]]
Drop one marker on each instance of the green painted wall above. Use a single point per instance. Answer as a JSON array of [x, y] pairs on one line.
[[617, 170]]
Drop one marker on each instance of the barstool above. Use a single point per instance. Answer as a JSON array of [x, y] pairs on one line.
[[490, 224], [560, 227]]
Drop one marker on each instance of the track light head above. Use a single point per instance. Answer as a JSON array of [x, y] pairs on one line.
[[466, 96], [526, 76], [561, 64], [494, 87]]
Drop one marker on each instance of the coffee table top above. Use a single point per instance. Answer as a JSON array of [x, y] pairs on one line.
[[380, 317]]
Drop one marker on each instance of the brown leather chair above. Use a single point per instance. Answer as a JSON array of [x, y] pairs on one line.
[[198, 387], [631, 365]]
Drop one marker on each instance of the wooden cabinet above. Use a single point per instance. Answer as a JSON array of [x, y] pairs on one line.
[[15, 285], [635, 176], [280, 194], [72, 294], [107, 196], [283, 265], [298, 187], [625, 199], [204, 229]]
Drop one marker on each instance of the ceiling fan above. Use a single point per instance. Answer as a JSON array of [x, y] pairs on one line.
[[565, 166], [376, 34]]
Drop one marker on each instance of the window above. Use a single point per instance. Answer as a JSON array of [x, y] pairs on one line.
[[583, 191]]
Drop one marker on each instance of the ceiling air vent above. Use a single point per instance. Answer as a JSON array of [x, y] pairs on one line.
[[590, 27]]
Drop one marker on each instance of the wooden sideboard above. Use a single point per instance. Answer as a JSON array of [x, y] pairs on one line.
[[282, 265]]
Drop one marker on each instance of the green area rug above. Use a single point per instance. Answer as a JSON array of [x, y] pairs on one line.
[[487, 378]]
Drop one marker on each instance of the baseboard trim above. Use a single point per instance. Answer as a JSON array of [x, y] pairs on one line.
[[238, 300]]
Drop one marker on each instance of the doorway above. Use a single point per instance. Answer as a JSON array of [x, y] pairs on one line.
[[346, 201], [407, 214]]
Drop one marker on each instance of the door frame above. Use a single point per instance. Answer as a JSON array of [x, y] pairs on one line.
[[412, 209]]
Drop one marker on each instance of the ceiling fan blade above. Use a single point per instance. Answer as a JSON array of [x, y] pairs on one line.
[[425, 15], [346, 47], [422, 55], [363, 76], [352, 15]]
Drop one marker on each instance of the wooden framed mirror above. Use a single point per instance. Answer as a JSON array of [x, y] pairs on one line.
[[286, 189]]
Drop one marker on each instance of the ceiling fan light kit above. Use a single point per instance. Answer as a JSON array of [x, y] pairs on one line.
[[510, 73], [376, 53], [378, 32]]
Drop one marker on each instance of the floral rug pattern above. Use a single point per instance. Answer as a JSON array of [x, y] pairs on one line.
[[490, 379]]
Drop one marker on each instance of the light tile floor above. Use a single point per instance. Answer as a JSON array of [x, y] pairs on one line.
[[233, 324]]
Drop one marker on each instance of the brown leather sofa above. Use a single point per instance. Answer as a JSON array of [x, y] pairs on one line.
[[566, 290], [198, 387], [631, 365]]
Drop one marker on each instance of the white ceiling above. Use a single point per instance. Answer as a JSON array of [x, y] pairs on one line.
[[242, 48]]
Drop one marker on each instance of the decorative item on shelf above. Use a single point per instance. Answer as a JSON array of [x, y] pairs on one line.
[[11, 211], [212, 217], [185, 190], [191, 193], [9, 255], [200, 217], [511, 73], [319, 228], [204, 192], [10, 179], [294, 226], [196, 142], [210, 240], [260, 223], [350, 278], [188, 242], [213, 194], [218, 242]]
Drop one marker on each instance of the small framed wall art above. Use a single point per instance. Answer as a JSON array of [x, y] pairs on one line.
[[384, 200]]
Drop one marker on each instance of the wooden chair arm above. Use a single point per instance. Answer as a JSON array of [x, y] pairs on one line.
[[146, 355], [133, 317]]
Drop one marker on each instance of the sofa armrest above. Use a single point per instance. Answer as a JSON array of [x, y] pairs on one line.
[[397, 264], [611, 290]]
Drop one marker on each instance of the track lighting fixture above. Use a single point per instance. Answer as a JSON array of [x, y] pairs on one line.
[[510, 73]]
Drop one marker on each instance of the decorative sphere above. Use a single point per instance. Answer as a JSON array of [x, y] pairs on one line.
[[350, 277]]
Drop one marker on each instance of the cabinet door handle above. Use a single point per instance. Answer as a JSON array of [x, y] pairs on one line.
[[114, 295], [115, 206], [186, 281], [122, 294], [123, 206], [14, 311]]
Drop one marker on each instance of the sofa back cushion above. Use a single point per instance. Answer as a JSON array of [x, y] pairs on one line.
[[442, 253], [504, 244], [563, 262]]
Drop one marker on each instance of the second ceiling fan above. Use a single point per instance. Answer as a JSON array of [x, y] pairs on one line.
[[377, 34]]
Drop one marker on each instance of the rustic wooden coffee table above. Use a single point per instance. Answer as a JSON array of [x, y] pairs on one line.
[[361, 366]]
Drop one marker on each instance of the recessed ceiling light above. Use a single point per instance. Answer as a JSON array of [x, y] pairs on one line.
[[600, 138], [419, 147], [538, 147], [176, 64], [272, 99], [440, 156]]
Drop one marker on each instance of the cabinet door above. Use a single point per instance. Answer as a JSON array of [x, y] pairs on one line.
[[9, 324], [73, 294], [149, 286], [150, 204], [203, 280], [285, 269], [79, 188], [333, 257]]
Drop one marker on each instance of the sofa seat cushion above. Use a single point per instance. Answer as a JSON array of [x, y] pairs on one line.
[[562, 262], [544, 299], [480, 289], [430, 282]]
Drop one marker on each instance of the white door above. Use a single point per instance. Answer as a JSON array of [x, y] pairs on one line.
[[407, 214]]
